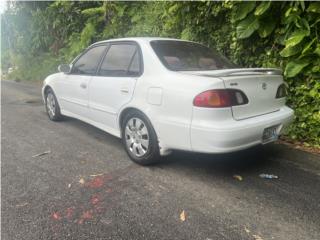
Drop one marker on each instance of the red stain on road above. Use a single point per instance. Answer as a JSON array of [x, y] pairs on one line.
[[99, 209], [69, 212], [90, 206], [56, 216], [98, 181], [87, 215], [95, 199]]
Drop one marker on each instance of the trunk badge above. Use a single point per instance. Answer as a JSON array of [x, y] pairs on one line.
[[264, 86]]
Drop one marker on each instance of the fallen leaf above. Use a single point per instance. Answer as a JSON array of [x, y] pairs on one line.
[[183, 216], [22, 204], [238, 177], [41, 154], [81, 181], [69, 185]]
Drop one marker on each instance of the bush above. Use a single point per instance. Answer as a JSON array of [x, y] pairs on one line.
[[28, 68]]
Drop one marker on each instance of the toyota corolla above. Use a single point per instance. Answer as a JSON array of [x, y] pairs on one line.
[[160, 94]]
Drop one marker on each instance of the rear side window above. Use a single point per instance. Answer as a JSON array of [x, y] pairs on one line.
[[121, 60], [134, 68], [188, 56], [87, 64]]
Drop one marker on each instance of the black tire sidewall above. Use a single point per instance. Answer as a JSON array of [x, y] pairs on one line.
[[152, 156]]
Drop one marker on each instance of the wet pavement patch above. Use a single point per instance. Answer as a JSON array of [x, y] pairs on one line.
[[31, 102]]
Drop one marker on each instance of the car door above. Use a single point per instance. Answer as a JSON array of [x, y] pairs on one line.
[[73, 90], [114, 83]]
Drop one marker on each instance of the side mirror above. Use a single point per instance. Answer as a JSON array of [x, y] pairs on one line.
[[65, 68]]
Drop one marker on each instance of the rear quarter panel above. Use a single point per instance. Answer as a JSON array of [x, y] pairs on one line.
[[166, 97]]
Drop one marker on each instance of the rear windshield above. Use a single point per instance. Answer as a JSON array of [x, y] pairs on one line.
[[189, 56]]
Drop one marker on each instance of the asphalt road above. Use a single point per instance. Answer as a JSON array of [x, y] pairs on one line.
[[87, 188]]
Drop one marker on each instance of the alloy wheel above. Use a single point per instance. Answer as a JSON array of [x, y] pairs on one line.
[[137, 137], [51, 105]]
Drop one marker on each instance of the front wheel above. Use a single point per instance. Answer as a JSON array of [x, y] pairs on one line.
[[140, 139], [52, 106]]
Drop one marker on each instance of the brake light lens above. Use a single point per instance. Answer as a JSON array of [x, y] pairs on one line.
[[219, 98], [282, 91], [212, 98]]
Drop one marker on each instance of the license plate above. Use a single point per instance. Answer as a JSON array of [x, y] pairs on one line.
[[270, 134]]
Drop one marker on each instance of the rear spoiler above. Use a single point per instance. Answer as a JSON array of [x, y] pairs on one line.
[[246, 71], [236, 72]]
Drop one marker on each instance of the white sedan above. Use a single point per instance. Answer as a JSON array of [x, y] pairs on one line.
[[161, 94]]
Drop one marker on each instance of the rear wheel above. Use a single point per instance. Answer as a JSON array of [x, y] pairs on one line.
[[139, 139], [52, 106]]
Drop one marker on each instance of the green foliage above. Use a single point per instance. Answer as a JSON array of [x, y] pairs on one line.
[[37, 36], [296, 37], [247, 26], [305, 99], [262, 8], [242, 10], [27, 67], [314, 7], [266, 26], [294, 67]]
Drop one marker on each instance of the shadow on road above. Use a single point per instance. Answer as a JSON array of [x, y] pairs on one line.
[[245, 161]]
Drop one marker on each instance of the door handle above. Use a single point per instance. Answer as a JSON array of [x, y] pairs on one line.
[[124, 90], [83, 85]]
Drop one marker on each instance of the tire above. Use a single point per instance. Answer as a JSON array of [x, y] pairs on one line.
[[52, 106], [139, 139]]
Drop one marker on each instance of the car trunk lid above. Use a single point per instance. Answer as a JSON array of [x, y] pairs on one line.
[[260, 85]]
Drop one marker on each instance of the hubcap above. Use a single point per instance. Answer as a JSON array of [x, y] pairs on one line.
[[137, 137], [51, 105]]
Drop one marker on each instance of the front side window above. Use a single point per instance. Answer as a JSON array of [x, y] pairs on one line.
[[121, 60], [188, 56], [87, 64]]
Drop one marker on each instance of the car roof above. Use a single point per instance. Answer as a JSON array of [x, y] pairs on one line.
[[139, 39]]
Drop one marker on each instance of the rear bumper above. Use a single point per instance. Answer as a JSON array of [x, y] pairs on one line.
[[231, 135]]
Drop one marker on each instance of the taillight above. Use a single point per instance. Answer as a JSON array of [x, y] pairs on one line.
[[219, 98], [282, 91]]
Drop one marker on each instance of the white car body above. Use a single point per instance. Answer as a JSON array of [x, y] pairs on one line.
[[166, 98]]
